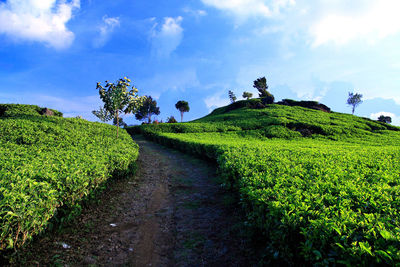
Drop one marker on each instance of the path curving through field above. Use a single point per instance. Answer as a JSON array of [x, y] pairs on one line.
[[172, 213]]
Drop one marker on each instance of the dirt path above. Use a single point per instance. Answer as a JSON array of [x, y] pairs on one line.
[[172, 213]]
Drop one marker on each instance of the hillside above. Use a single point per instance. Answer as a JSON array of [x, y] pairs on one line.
[[287, 122], [49, 164], [317, 187]]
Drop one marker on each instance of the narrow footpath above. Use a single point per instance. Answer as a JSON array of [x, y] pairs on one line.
[[171, 213]]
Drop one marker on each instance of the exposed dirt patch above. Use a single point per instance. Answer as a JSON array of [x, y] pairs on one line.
[[171, 213]]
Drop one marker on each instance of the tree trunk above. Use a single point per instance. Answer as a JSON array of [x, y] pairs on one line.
[[354, 109], [117, 124], [181, 116]]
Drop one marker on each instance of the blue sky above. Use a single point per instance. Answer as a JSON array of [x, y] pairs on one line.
[[53, 52]]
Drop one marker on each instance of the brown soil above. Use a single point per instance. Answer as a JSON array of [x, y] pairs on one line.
[[171, 213]]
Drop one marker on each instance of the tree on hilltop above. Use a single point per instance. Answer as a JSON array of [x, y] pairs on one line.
[[247, 95], [386, 119], [261, 85], [148, 109], [232, 96], [354, 100], [182, 106]]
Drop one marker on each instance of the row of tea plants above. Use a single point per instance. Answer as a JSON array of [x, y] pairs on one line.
[[50, 164]]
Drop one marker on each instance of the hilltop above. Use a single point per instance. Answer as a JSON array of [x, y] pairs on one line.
[[246, 118]]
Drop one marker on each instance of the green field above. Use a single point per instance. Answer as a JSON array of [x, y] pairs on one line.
[[48, 163], [320, 188]]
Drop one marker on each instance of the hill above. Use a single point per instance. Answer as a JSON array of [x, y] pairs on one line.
[[317, 187], [49, 164]]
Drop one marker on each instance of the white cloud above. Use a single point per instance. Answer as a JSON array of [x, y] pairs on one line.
[[248, 8], [373, 20], [166, 39], [320, 22], [38, 20], [196, 13], [217, 100], [105, 30], [395, 119]]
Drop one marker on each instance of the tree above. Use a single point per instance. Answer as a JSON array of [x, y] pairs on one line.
[[171, 119], [182, 106], [148, 109], [386, 119], [102, 114], [232, 96], [119, 99], [247, 95], [261, 85], [354, 100]]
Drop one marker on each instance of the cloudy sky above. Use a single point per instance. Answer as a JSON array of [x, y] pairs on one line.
[[53, 52]]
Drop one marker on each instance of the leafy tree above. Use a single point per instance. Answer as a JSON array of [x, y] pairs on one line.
[[386, 119], [232, 96], [148, 109], [182, 106], [119, 99], [102, 114], [247, 95], [261, 85], [171, 119], [354, 100]]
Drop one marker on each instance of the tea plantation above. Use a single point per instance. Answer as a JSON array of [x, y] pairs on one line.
[[50, 162], [318, 187]]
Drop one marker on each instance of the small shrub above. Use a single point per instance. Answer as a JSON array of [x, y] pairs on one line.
[[171, 120]]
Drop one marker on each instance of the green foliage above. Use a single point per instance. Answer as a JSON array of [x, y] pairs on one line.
[[268, 99], [330, 198], [171, 120], [11, 110], [182, 106], [232, 96], [48, 164], [305, 104], [147, 109], [354, 100], [385, 119], [261, 85], [247, 95], [118, 98], [320, 202], [103, 114]]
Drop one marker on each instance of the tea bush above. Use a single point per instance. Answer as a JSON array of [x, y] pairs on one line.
[[50, 162]]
